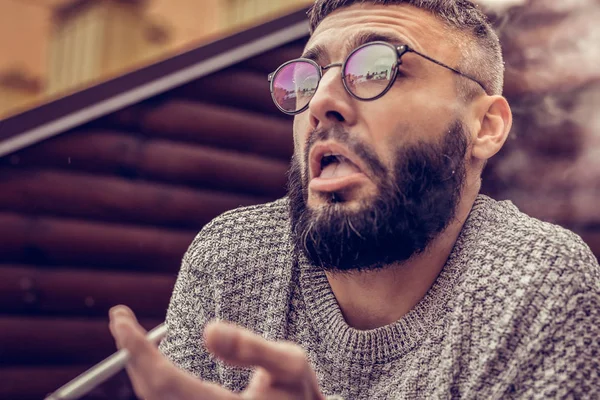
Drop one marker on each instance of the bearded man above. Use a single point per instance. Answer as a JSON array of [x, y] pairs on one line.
[[384, 274]]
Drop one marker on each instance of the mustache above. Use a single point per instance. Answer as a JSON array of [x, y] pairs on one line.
[[361, 149]]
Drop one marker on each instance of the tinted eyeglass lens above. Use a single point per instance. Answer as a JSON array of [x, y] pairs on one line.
[[294, 85], [369, 70]]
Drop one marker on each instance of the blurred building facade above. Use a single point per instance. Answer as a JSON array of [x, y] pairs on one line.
[[67, 45], [94, 39]]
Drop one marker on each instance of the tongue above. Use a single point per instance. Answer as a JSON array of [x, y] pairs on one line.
[[338, 170]]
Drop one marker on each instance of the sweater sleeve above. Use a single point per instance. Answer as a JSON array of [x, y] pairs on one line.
[[191, 307], [568, 365]]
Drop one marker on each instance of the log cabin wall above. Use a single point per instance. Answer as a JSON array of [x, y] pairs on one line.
[[102, 214], [550, 165]]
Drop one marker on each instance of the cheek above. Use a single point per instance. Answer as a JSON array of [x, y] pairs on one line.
[[299, 140], [296, 130], [300, 136], [389, 129], [405, 120]]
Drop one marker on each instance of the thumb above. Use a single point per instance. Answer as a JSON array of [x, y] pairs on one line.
[[124, 327]]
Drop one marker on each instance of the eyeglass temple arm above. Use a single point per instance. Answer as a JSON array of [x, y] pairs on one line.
[[441, 64]]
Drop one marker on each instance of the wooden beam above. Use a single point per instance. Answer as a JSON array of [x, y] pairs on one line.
[[560, 140], [110, 152], [105, 198], [99, 151], [36, 382], [222, 127], [81, 292], [592, 239], [520, 40], [574, 208], [204, 167], [55, 241], [524, 170], [270, 60], [57, 341], [233, 87]]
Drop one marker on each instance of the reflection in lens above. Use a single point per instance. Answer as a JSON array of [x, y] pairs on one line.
[[369, 70], [294, 85]]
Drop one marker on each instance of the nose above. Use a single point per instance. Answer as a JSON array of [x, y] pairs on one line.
[[331, 103]]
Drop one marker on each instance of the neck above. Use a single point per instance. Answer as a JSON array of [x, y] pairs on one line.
[[377, 298]]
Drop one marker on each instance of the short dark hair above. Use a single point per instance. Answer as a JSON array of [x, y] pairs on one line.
[[481, 57]]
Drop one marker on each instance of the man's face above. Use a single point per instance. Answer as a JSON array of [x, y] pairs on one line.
[[407, 149]]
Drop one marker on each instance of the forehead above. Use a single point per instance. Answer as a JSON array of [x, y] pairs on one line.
[[413, 26]]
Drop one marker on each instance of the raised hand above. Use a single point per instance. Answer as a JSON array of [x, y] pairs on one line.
[[282, 370]]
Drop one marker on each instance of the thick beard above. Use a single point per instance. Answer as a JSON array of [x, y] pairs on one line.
[[414, 204]]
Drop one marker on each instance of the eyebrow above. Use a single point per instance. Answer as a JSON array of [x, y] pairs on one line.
[[366, 37], [319, 52], [315, 53]]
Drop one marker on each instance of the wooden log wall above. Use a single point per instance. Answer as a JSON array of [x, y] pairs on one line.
[[102, 215], [550, 166]]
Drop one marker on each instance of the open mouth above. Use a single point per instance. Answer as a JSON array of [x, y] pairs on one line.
[[333, 168], [336, 166]]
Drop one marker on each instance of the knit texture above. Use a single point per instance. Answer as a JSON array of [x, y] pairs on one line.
[[515, 312]]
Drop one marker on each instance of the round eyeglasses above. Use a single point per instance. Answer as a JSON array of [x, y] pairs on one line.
[[368, 73]]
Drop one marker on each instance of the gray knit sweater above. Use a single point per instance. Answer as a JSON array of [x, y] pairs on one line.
[[515, 312]]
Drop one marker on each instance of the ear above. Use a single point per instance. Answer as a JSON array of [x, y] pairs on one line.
[[495, 121]]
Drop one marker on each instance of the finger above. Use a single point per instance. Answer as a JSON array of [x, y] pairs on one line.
[[121, 313], [262, 386], [152, 375], [286, 362], [260, 382], [130, 335]]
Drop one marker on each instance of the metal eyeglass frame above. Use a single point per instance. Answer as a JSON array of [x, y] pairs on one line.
[[400, 51]]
